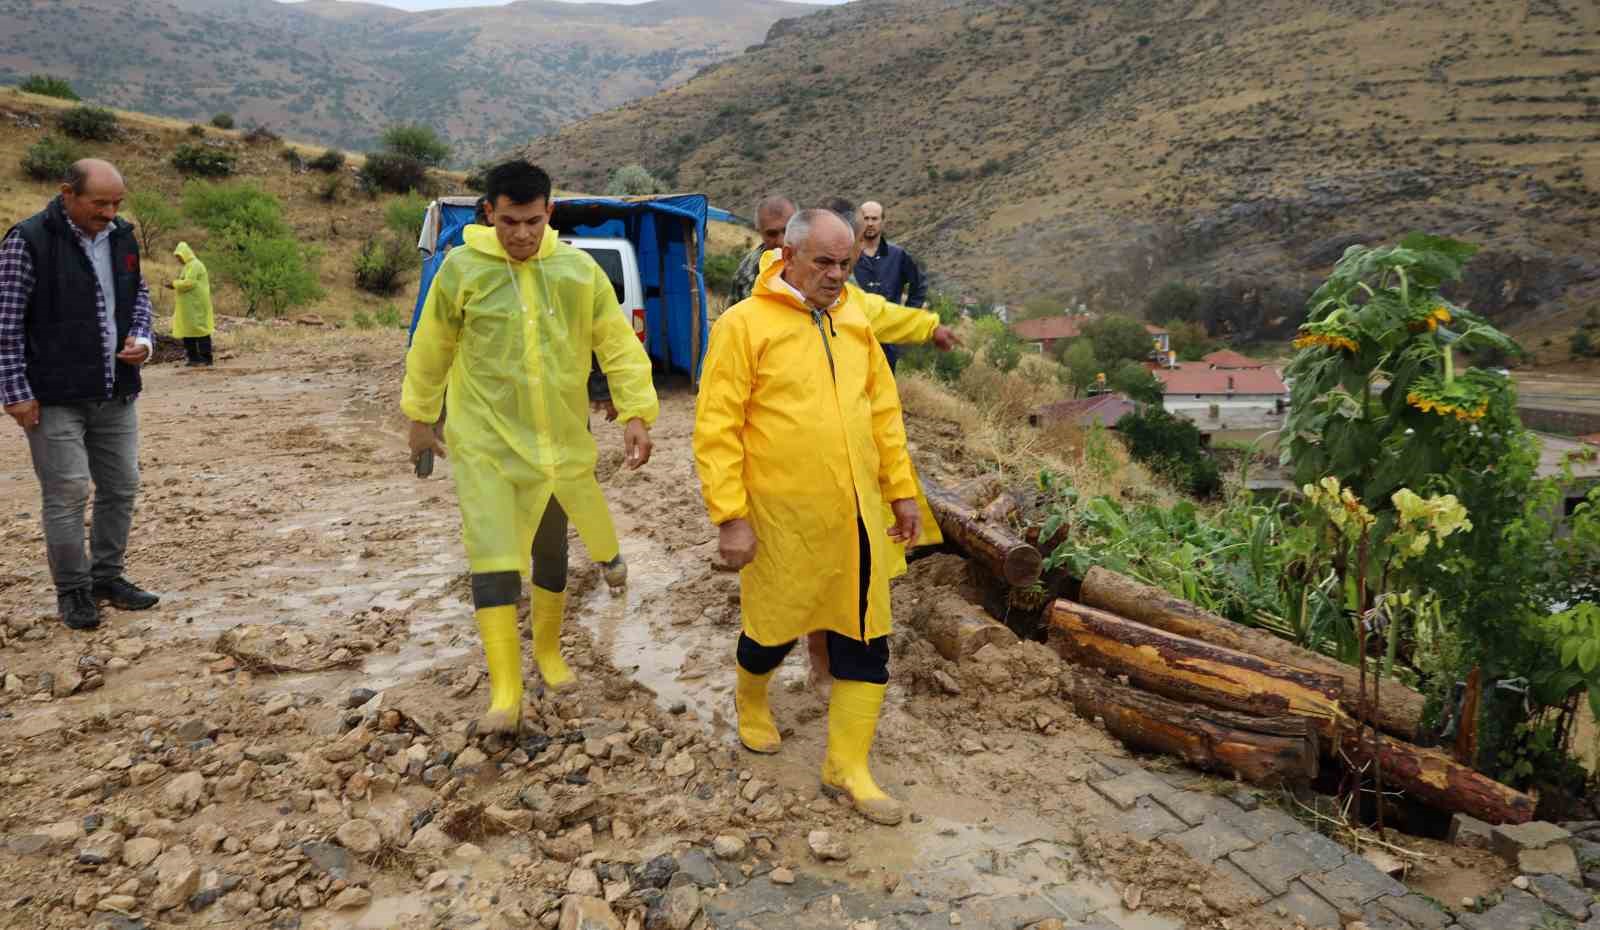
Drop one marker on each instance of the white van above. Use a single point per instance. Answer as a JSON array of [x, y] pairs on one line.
[[618, 260]]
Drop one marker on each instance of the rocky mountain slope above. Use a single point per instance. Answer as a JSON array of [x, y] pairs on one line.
[[1092, 151], [338, 72]]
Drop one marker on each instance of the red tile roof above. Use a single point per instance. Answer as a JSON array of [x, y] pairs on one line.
[[1107, 409], [1227, 358], [1191, 379]]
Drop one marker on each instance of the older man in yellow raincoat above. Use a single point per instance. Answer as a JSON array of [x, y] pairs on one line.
[[192, 319], [799, 444], [510, 324]]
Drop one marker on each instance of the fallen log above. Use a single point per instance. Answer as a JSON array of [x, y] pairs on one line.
[[1261, 750], [958, 629], [1191, 670], [1399, 711], [1436, 779], [991, 544], [1001, 510]]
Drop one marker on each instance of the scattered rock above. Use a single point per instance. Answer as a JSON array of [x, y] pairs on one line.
[[144, 773], [1470, 832], [104, 846], [782, 876], [1520, 883], [680, 765], [826, 847], [359, 836], [579, 912], [1508, 840], [430, 838], [39, 725], [1561, 895], [176, 882], [193, 730], [675, 910], [753, 790], [350, 899], [329, 858], [358, 697], [184, 793], [584, 882], [278, 705], [140, 852], [729, 847], [1558, 859]]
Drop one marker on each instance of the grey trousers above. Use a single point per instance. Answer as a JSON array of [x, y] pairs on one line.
[[73, 445]]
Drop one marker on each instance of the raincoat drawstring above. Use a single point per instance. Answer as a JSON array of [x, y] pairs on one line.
[[816, 317]]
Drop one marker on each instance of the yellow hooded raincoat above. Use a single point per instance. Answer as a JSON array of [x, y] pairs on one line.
[[191, 315], [513, 342], [798, 430]]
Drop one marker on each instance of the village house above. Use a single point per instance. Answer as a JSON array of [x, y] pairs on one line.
[[1222, 400], [1103, 409]]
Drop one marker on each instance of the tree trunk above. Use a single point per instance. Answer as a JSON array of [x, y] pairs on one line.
[[958, 629], [1000, 510], [1439, 781], [1191, 670], [1261, 750], [1000, 551], [1467, 720], [1400, 712]]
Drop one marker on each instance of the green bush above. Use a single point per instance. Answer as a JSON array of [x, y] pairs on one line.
[[94, 124], [238, 209], [154, 217], [273, 272], [261, 135], [196, 130], [1118, 337], [1136, 381], [222, 121], [389, 316], [49, 158], [204, 160], [404, 214], [720, 270], [1174, 301], [329, 161], [381, 265], [1171, 447], [293, 159], [633, 181], [331, 188], [394, 174], [418, 143], [47, 86], [945, 366]]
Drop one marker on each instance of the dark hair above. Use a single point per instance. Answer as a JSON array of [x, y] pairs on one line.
[[846, 210], [518, 181]]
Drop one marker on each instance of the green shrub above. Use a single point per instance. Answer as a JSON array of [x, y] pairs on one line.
[[1136, 381], [404, 214], [154, 216], [329, 161], [261, 135], [1118, 337], [720, 269], [204, 160], [49, 158], [47, 86], [331, 188], [222, 121], [1004, 351], [237, 209], [1170, 446], [418, 143], [293, 159], [94, 124], [1174, 301], [361, 319], [273, 272], [394, 174], [633, 181], [389, 316], [196, 130], [381, 265], [945, 366]]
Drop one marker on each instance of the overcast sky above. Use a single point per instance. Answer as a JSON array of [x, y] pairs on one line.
[[442, 4]]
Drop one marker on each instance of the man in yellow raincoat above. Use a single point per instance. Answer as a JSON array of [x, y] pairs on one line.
[[799, 443], [509, 325], [191, 317]]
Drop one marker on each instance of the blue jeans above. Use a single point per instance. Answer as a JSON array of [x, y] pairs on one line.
[[73, 445]]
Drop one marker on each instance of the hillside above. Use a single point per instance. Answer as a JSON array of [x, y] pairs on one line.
[[1093, 151], [338, 72]]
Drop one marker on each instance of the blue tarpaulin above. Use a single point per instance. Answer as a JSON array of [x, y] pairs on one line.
[[668, 235]]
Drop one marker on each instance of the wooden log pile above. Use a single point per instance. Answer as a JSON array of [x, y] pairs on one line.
[[1165, 676]]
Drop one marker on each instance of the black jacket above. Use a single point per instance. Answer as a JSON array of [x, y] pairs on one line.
[[64, 347], [892, 272]]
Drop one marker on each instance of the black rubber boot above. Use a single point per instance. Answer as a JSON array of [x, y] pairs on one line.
[[124, 594], [78, 610]]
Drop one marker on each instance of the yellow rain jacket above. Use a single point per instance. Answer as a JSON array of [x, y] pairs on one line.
[[800, 444], [513, 340], [191, 316]]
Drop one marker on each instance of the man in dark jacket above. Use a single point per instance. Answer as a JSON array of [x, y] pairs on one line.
[[74, 330], [887, 269]]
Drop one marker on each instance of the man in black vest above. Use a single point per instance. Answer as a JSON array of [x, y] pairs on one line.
[[74, 329]]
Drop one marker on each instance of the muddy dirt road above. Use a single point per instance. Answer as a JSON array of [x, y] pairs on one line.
[[282, 743]]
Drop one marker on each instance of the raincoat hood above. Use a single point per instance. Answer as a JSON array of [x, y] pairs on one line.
[[184, 253], [484, 239]]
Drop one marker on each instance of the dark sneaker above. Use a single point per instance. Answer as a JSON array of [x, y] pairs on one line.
[[78, 611], [124, 594]]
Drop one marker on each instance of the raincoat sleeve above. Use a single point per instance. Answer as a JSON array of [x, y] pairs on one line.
[[895, 324], [621, 356], [895, 477], [433, 350], [719, 420], [187, 279]]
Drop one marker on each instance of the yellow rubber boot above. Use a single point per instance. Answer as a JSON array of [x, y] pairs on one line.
[[502, 644], [757, 730], [852, 723], [548, 608]]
